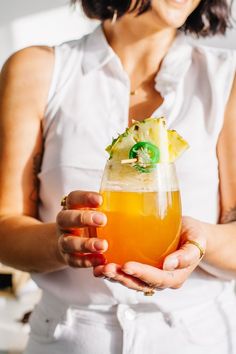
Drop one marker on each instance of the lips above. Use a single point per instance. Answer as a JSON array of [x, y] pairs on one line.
[[178, 2]]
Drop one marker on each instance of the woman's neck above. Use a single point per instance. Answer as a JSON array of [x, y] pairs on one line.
[[140, 48]]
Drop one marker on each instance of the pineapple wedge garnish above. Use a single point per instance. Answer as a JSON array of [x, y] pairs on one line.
[[169, 144]]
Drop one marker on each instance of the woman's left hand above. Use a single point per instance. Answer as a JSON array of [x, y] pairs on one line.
[[177, 266]]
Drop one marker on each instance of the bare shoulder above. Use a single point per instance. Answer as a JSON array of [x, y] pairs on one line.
[[27, 73], [29, 58]]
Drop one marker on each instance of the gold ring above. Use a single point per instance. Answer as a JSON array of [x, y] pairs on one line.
[[200, 248], [63, 201], [149, 292]]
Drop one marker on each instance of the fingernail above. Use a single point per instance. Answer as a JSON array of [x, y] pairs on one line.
[[128, 271], [99, 245], [95, 199], [98, 219], [171, 264]]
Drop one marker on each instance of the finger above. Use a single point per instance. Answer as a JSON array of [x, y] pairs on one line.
[[186, 256], [72, 244], [67, 219], [157, 278], [84, 261], [83, 199], [114, 273]]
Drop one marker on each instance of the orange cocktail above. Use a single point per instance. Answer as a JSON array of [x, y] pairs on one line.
[[142, 226]]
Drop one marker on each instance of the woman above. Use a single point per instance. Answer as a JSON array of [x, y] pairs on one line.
[[60, 108]]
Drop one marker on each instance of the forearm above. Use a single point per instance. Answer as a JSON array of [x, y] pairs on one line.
[[29, 245], [221, 246]]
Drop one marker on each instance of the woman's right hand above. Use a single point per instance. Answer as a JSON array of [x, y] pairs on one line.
[[76, 224]]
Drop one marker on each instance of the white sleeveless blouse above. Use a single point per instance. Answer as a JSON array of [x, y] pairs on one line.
[[88, 105]]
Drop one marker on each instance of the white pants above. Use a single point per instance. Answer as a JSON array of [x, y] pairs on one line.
[[134, 329]]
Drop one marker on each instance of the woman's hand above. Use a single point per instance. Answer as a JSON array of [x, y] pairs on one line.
[[177, 267], [79, 218]]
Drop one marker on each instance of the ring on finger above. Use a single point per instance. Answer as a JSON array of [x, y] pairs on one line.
[[150, 292], [200, 248], [63, 201]]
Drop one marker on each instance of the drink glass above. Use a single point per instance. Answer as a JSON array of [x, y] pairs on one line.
[[143, 212]]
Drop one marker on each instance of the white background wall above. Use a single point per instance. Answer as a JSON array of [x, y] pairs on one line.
[[27, 22]]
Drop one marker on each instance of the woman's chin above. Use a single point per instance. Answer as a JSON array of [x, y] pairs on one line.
[[168, 20], [178, 4], [172, 13]]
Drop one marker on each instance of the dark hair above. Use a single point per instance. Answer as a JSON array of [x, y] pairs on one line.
[[209, 18]]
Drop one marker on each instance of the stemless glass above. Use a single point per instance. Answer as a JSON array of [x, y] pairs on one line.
[[143, 212]]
